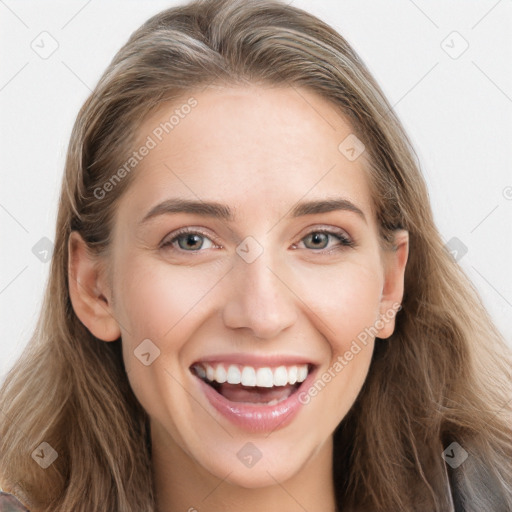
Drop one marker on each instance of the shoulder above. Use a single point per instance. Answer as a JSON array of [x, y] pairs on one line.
[[9, 503]]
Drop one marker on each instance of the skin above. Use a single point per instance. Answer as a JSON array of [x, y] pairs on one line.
[[259, 151]]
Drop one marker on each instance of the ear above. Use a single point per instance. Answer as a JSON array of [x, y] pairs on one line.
[[394, 262], [89, 292]]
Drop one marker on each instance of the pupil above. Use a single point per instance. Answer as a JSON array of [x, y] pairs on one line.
[[317, 238], [192, 240]]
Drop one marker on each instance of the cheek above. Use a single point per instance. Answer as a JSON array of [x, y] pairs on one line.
[[162, 304], [158, 302], [350, 307], [343, 299]]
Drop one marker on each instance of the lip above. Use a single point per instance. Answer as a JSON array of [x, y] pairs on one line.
[[257, 360], [257, 417]]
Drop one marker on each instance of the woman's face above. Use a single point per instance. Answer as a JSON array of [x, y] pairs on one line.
[[269, 285]]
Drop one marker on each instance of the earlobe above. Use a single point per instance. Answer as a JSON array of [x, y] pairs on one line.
[[89, 292], [395, 262]]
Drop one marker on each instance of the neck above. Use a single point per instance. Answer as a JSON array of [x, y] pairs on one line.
[[182, 485]]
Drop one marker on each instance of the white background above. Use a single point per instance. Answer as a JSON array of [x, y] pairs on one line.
[[458, 112]]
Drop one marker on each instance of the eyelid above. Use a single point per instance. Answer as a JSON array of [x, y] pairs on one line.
[[326, 228]]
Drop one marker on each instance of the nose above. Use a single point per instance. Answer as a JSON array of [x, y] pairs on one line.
[[260, 300]]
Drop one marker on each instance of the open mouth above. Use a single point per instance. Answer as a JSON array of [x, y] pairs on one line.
[[252, 385]]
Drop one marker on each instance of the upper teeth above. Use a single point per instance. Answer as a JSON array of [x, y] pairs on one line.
[[249, 376]]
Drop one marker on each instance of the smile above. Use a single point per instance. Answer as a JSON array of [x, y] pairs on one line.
[[265, 377], [256, 397]]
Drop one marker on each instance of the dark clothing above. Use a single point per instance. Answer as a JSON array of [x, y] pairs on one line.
[[9, 503]]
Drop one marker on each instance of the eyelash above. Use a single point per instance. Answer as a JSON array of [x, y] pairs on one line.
[[345, 242]]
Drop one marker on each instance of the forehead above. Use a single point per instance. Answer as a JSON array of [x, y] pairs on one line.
[[255, 148]]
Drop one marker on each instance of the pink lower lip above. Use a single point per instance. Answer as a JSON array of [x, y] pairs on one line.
[[257, 417]]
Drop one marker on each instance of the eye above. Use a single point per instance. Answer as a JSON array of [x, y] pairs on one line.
[[188, 241], [319, 240]]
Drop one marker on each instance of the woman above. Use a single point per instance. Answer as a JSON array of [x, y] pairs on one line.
[[249, 304]]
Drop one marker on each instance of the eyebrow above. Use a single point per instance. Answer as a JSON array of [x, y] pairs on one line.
[[223, 212]]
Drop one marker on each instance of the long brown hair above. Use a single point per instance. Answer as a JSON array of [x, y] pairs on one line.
[[443, 376]]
